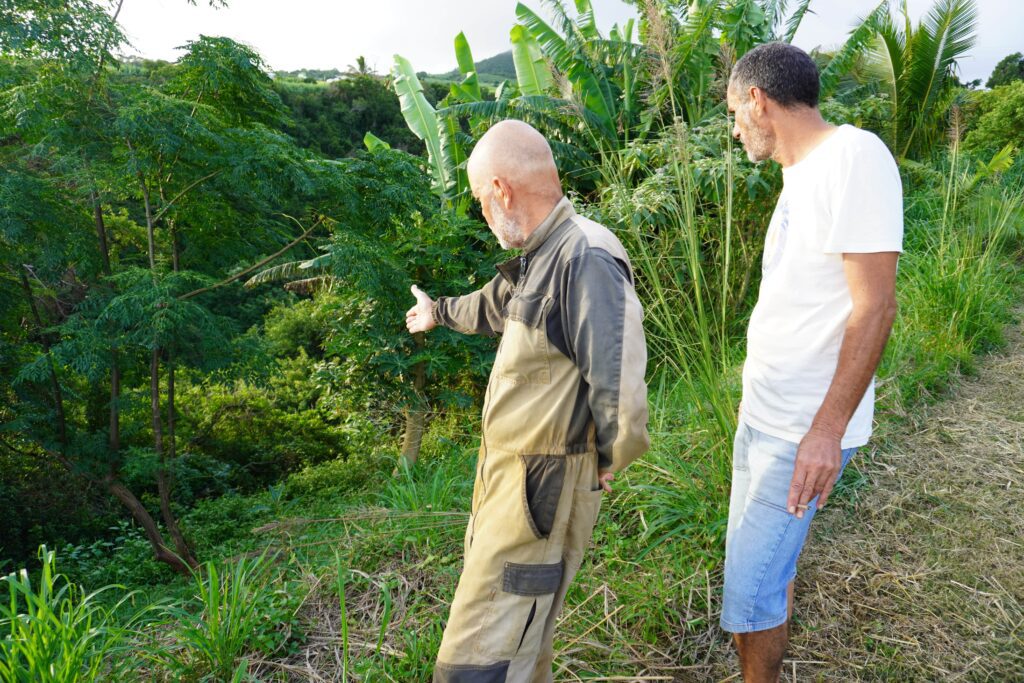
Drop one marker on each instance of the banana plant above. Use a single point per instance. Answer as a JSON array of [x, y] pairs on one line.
[[445, 156], [589, 79], [469, 89], [532, 71]]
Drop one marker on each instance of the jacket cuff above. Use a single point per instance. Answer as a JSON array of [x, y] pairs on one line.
[[435, 313]]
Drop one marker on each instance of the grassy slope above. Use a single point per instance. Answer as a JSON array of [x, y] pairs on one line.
[[643, 605]]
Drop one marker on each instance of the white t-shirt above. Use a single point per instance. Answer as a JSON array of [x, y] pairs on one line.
[[845, 196]]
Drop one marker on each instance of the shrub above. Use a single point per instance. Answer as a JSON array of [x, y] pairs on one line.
[[1000, 119]]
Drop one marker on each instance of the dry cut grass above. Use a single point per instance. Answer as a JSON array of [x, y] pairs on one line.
[[921, 578]]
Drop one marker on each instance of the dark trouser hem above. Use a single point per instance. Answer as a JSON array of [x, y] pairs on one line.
[[470, 673]]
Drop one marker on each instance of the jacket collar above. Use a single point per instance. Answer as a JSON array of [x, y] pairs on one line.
[[562, 211]]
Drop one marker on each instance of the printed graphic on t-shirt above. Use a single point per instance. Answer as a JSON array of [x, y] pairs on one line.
[[775, 240]]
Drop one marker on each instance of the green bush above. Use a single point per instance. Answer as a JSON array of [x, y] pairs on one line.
[[299, 326], [339, 477], [260, 437], [1000, 119]]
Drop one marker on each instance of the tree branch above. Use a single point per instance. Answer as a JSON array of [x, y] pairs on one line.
[[169, 204], [262, 263]]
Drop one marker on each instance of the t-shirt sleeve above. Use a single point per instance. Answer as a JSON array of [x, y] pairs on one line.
[[867, 200]]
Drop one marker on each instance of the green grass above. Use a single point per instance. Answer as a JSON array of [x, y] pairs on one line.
[[366, 562], [52, 631]]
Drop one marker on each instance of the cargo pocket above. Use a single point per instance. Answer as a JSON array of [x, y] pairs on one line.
[[524, 356], [543, 478], [537, 581]]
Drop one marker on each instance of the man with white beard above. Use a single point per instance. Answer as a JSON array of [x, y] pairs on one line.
[[566, 408]]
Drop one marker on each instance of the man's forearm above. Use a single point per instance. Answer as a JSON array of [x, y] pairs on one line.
[[866, 334]]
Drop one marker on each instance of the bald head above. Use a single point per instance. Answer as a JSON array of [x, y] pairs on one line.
[[513, 174], [518, 154]]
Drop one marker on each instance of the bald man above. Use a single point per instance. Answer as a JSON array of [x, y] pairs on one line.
[[566, 408]]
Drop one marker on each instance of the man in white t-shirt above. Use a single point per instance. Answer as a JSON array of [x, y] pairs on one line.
[[823, 315]]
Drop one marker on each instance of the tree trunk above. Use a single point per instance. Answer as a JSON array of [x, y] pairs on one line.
[[416, 413], [163, 476], [115, 367], [115, 410], [139, 513], [101, 231]]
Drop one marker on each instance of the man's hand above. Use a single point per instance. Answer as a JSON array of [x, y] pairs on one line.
[[420, 318], [605, 479], [818, 459]]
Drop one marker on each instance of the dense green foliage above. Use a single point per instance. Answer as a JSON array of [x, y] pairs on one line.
[[999, 115], [134, 201], [331, 118], [204, 275]]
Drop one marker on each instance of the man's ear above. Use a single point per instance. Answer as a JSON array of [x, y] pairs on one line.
[[758, 101], [502, 191]]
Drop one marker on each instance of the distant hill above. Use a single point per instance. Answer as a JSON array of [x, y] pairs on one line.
[[492, 70]]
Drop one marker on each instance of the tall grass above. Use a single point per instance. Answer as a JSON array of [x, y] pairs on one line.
[[52, 631], [955, 286], [218, 640]]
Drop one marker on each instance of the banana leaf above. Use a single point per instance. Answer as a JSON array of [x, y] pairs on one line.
[[532, 70], [424, 123]]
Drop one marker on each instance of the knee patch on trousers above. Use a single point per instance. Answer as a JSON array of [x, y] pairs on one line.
[[471, 673], [531, 579]]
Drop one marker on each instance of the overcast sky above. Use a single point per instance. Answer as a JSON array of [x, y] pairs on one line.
[[321, 34]]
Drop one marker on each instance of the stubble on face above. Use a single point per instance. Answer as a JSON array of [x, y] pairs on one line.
[[758, 142], [505, 227]]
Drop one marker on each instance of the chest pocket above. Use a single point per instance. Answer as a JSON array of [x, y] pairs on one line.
[[524, 356]]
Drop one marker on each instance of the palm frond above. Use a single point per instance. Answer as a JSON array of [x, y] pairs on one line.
[[285, 271], [947, 33], [886, 68], [585, 20], [857, 43], [774, 11], [310, 285], [795, 19]]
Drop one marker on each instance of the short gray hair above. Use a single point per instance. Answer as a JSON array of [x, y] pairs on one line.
[[784, 72]]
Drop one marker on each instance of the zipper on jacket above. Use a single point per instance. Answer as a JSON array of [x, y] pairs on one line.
[[523, 264]]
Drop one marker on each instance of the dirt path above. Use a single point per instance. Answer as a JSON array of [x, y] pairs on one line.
[[921, 576]]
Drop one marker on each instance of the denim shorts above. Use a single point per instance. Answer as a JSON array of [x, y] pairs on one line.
[[763, 541]]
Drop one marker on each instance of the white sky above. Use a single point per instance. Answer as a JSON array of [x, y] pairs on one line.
[[320, 34]]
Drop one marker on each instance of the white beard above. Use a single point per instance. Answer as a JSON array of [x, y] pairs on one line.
[[505, 228]]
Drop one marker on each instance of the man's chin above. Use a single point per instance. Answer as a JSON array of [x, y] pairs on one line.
[[754, 157]]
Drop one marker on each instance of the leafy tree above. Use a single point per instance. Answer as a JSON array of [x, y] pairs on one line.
[[390, 234], [111, 193], [1009, 69], [1000, 119]]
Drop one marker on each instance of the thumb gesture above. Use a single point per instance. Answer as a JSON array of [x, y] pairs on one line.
[[420, 318]]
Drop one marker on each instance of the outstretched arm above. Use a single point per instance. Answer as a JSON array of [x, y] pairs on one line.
[[479, 312]]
